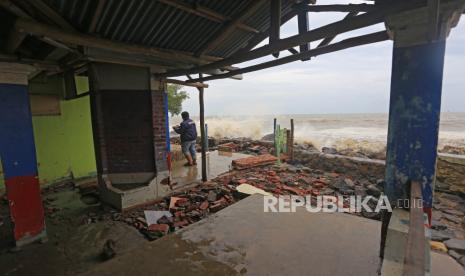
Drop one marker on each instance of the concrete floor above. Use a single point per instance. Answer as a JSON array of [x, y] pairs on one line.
[[217, 163], [242, 239]]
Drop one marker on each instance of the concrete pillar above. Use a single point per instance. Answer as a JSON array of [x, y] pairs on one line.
[[18, 154], [129, 127], [415, 105], [415, 102]]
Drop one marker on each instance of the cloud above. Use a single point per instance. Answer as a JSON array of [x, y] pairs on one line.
[[355, 80]]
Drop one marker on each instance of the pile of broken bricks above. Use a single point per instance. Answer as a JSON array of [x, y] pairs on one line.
[[181, 209], [186, 207]]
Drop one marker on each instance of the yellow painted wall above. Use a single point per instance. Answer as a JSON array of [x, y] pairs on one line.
[[64, 143]]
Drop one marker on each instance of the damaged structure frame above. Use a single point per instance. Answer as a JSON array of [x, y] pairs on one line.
[[129, 58]]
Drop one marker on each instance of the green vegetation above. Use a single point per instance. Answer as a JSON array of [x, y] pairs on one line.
[[175, 98]]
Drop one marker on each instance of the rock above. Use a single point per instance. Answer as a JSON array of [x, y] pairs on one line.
[[438, 246], [90, 199], [380, 183], [268, 137], [456, 245], [373, 190], [453, 198], [462, 261], [441, 186], [440, 235], [437, 225], [452, 218], [453, 212], [437, 215], [109, 250], [329, 150], [211, 196], [349, 183], [454, 254]]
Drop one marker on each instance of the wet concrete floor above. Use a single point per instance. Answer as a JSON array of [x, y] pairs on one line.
[[217, 163], [242, 239]]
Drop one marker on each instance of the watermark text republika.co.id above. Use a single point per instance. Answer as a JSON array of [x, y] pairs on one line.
[[333, 204]]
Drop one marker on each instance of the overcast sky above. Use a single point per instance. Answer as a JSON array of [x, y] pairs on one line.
[[355, 80]]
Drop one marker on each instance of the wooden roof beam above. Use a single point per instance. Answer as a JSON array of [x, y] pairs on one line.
[[342, 26], [275, 22], [344, 44], [96, 16], [50, 13], [14, 38], [338, 8], [185, 83], [328, 39], [229, 27], [206, 13], [76, 38]]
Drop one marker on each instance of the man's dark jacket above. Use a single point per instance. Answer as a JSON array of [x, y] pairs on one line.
[[187, 130]]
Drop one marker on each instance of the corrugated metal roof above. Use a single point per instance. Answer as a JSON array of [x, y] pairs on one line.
[[153, 23]]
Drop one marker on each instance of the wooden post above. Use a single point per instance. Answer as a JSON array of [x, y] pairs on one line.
[[202, 133], [274, 132], [291, 153], [206, 136]]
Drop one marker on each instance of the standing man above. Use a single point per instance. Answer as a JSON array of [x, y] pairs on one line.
[[188, 133]]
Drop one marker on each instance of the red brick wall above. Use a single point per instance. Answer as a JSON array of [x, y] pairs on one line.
[[123, 133], [159, 130]]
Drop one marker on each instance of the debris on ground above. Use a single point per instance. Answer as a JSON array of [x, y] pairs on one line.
[[109, 250], [254, 161]]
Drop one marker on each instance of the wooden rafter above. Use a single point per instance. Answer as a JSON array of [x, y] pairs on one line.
[[275, 22], [347, 43], [342, 26], [75, 38], [338, 8], [206, 13], [303, 26], [51, 14], [328, 39], [96, 16], [229, 27], [185, 83], [14, 38]]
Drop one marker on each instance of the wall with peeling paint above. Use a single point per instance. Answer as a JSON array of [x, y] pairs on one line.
[[64, 143]]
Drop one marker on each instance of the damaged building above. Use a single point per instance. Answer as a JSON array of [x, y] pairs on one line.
[[88, 165]]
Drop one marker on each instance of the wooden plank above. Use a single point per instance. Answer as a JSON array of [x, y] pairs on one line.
[[414, 263], [75, 38], [275, 23], [339, 8], [192, 84], [229, 27], [43, 105], [303, 26], [346, 25], [205, 13], [344, 44]]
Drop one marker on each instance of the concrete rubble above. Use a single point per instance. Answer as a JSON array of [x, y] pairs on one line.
[[311, 173]]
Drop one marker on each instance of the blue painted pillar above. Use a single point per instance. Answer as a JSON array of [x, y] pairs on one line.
[[18, 154], [414, 112]]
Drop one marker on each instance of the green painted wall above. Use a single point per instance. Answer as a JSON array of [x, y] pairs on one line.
[[64, 144]]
